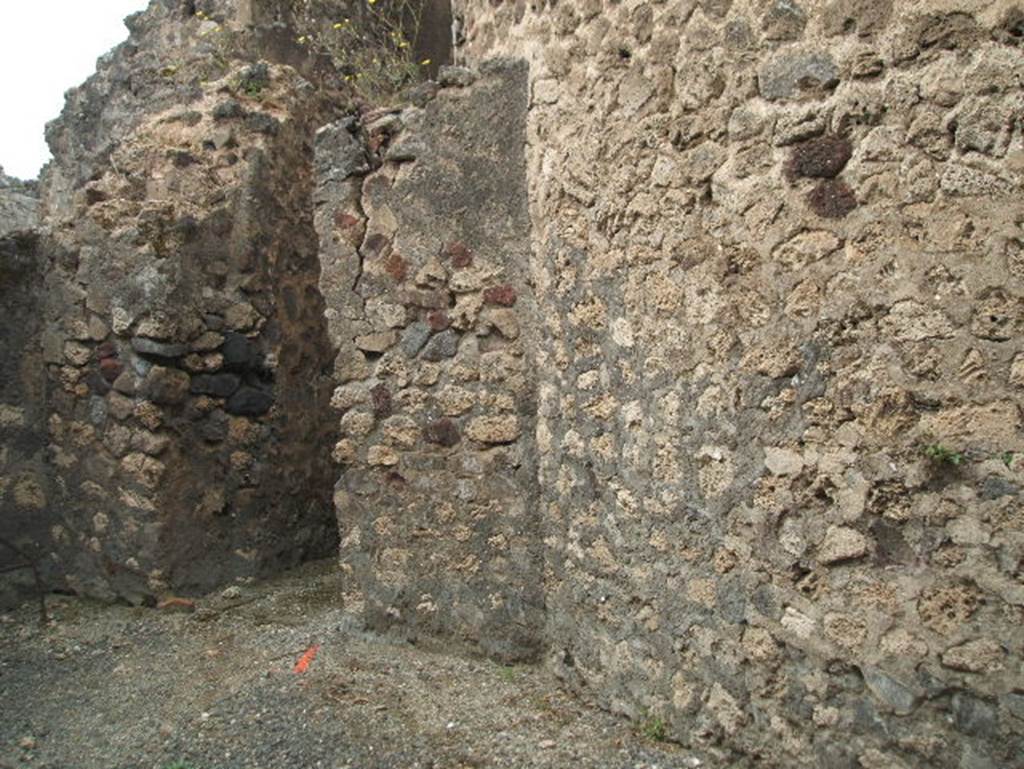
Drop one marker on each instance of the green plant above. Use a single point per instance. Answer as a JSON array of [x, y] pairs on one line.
[[221, 46], [654, 728], [507, 673], [943, 454], [1007, 458], [253, 79], [179, 765], [372, 44]]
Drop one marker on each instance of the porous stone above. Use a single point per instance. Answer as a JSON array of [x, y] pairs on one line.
[[165, 386], [494, 429], [797, 75], [842, 543], [982, 655], [377, 343]]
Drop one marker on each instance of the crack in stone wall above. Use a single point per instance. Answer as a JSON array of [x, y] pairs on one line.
[[424, 240]]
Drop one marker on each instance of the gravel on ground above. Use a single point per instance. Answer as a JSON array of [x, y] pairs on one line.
[[119, 687]]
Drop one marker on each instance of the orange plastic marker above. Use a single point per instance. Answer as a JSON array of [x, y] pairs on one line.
[[303, 664]]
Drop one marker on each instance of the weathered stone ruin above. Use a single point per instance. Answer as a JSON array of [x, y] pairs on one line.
[[676, 345]]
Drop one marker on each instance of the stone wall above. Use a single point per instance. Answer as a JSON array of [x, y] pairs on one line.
[[174, 361], [19, 205], [187, 356], [777, 262], [424, 251], [685, 347], [25, 479]]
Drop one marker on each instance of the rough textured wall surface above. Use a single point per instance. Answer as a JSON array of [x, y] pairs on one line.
[[777, 258], [424, 254], [25, 478], [185, 342], [19, 205]]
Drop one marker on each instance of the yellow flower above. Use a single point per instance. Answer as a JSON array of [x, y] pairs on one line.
[[425, 62]]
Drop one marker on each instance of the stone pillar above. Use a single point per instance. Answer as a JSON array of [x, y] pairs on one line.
[[424, 254]]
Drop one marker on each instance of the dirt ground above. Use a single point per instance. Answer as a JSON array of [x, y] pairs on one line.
[[117, 687]]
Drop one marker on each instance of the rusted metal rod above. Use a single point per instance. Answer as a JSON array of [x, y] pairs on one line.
[[30, 563]]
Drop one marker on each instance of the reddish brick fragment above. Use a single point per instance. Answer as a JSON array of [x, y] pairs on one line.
[[396, 266], [106, 350], [176, 604], [381, 398], [438, 320], [428, 300], [459, 253], [443, 432], [375, 245], [345, 220], [111, 368], [504, 295]]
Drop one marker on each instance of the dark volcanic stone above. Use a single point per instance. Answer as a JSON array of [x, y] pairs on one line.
[[442, 346], [832, 199], [820, 158], [262, 123], [217, 385], [214, 428], [973, 716], [995, 487], [414, 337], [239, 352], [227, 110], [249, 402], [375, 245]]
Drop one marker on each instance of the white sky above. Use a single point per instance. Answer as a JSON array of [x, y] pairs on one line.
[[47, 47]]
